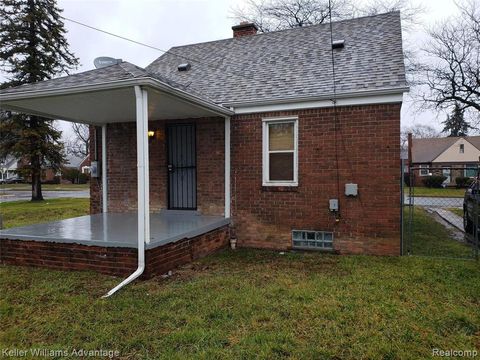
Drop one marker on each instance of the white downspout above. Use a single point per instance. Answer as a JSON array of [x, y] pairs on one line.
[[142, 186], [227, 168]]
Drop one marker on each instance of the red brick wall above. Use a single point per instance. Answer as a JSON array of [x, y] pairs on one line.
[[162, 259], [95, 183], [122, 167], [105, 260], [368, 151], [110, 260], [368, 154]]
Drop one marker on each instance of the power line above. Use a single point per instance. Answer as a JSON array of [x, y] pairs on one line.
[[334, 101], [162, 50]]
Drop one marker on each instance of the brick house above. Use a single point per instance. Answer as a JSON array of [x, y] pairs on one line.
[[251, 130], [451, 157]]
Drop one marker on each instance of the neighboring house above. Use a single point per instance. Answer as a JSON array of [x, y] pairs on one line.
[[451, 157], [246, 129], [81, 163], [8, 168], [48, 174]]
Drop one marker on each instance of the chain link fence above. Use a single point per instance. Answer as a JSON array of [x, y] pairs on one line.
[[440, 210]]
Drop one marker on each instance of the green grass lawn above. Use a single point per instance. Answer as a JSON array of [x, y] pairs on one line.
[[252, 304], [19, 213], [432, 239], [247, 304], [448, 192], [47, 187]]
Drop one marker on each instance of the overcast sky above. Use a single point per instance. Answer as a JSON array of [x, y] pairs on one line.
[[167, 23]]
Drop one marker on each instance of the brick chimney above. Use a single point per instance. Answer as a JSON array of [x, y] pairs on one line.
[[244, 29]]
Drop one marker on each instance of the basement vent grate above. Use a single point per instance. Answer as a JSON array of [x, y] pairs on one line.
[[307, 239]]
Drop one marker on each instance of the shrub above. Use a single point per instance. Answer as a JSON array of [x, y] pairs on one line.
[[463, 181], [83, 178], [434, 181], [71, 174], [54, 181]]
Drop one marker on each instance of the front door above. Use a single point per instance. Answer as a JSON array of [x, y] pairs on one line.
[[182, 172]]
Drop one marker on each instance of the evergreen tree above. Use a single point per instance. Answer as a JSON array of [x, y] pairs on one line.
[[455, 124], [33, 48]]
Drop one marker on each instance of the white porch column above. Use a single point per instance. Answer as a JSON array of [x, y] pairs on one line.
[[104, 170], [227, 168], [146, 166]]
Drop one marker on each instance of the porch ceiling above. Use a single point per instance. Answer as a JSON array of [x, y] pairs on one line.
[[111, 103]]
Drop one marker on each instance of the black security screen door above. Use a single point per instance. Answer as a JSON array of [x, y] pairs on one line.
[[182, 174]]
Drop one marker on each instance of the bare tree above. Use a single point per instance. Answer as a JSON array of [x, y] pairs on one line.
[[450, 73], [410, 10], [419, 131], [79, 143], [272, 15]]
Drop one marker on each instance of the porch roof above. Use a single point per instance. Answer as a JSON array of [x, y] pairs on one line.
[[106, 95]]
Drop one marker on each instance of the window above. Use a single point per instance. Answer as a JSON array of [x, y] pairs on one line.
[[424, 170], [312, 239], [280, 152], [462, 148], [470, 171]]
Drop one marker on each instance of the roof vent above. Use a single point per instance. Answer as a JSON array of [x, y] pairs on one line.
[[338, 44], [184, 67]]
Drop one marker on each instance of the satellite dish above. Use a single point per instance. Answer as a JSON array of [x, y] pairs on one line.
[[104, 61]]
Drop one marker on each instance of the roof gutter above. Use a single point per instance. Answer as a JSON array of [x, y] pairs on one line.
[[344, 95]]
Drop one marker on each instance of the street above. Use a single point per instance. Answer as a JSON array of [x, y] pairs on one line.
[[15, 195], [447, 202]]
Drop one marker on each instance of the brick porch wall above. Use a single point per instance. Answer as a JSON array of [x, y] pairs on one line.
[[122, 167], [109, 260], [368, 151]]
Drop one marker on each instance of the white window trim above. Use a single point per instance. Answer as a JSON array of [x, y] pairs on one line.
[[266, 152], [427, 167]]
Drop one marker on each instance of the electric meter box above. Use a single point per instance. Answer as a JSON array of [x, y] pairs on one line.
[[351, 189], [333, 204], [94, 170]]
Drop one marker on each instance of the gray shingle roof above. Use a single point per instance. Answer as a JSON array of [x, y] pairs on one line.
[[122, 71], [285, 64], [292, 63]]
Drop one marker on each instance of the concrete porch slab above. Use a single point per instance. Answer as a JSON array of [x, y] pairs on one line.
[[118, 230]]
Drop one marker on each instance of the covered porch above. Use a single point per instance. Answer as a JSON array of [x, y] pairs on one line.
[[111, 99]]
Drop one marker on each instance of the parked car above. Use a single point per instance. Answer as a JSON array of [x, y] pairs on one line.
[[15, 180], [471, 205]]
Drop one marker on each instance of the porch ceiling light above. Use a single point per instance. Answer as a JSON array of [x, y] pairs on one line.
[[151, 133]]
